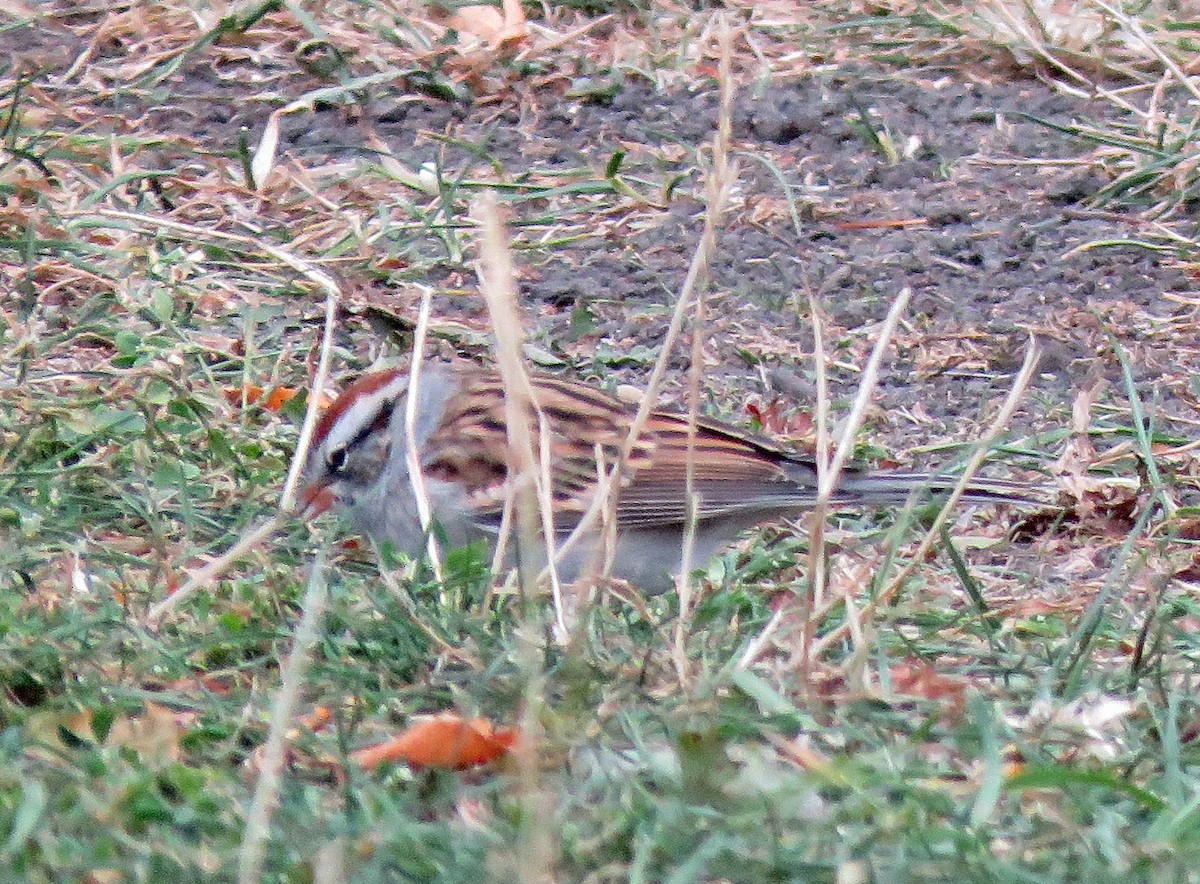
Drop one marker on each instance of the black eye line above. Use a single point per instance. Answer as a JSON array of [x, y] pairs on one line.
[[336, 459]]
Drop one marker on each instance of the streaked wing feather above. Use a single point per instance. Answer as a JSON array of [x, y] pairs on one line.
[[731, 472]]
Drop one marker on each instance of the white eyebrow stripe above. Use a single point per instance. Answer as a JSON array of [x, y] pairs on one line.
[[363, 412]]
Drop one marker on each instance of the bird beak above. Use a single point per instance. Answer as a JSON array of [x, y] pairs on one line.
[[316, 499]]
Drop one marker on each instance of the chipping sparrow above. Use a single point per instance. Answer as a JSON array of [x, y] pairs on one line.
[[358, 460]]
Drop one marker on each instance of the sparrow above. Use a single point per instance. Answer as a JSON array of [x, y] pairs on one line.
[[358, 463]]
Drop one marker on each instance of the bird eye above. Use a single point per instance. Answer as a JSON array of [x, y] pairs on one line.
[[336, 459]]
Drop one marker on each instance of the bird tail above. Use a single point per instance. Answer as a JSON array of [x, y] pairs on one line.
[[894, 488]]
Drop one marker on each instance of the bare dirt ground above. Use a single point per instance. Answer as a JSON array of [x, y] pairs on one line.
[[982, 215]]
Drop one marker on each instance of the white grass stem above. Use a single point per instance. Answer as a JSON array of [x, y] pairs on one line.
[[203, 578], [1134, 27], [416, 474], [982, 449], [815, 595], [827, 483], [827, 477], [266, 791], [529, 474]]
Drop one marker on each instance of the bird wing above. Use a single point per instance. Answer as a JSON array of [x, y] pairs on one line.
[[731, 471]]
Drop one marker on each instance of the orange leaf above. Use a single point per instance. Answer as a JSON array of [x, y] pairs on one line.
[[318, 718], [917, 679], [250, 393], [445, 741], [279, 397]]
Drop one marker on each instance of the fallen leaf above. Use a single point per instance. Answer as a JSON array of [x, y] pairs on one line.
[[272, 400], [155, 734], [498, 28], [445, 741], [919, 679], [478, 20], [250, 394], [772, 420], [318, 718], [279, 397]]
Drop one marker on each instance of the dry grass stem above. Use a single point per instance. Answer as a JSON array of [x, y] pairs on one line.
[[1035, 43], [530, 482], [1020, 26], [253, 537], [716, 209], [866, 387], [554, 41], [412, 452], [533, 514], [814, 596], [982, 449], [266, 790], [414, 616], [203, 578], [717, 187], [312, 412], [302, 266], [153, 342], [828, 475], [1134, 27]]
